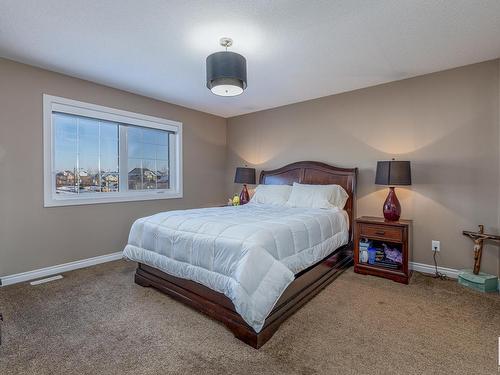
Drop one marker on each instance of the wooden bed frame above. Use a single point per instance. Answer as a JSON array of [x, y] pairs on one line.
[[307, 283]]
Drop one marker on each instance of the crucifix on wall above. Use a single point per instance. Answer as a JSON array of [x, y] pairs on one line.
[[479, 237]]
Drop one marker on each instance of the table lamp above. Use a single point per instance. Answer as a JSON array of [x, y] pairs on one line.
[[392, 173], [244, 175]]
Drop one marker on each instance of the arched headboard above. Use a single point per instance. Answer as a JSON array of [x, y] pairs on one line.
[[316, 173]]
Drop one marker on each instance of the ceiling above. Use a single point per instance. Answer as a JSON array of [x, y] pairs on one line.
[[296, 49]]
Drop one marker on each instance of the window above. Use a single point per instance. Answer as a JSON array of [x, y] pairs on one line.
[[94, 154]]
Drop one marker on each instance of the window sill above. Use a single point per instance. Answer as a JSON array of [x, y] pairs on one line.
[[130, 197]]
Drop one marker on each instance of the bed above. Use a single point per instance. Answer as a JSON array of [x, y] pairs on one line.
[[250, 267]]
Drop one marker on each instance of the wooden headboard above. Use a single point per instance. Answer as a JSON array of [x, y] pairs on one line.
[[316, 173]]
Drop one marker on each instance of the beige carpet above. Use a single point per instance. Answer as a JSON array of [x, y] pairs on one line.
[[97, 321]]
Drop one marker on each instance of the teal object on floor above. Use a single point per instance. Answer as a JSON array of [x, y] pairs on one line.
[[482, 282]]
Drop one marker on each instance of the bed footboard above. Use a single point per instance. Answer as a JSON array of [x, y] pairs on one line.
[[306, 285]]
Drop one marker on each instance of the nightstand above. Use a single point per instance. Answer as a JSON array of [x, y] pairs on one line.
[[390, 241]]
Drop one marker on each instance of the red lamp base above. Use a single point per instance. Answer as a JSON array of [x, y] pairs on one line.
[[244, 196], [392, 208]]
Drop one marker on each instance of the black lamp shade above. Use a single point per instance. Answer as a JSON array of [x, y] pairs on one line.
[[226, 73], [393, 173], [245, 176]]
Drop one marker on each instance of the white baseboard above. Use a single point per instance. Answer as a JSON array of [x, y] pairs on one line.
[[44, 272], [427, 268], [48, 271]]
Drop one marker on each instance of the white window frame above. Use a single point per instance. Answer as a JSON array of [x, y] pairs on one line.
[[57, 104]]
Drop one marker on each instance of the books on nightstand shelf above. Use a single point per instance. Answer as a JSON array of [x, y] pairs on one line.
[[379, 254]]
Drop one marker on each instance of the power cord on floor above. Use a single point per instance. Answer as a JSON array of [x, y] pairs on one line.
[[437, 274]]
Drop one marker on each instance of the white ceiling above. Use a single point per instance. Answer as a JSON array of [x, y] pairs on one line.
[[296, 49]]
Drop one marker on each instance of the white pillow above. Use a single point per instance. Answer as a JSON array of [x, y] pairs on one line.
[[317, 196], [271, 194]]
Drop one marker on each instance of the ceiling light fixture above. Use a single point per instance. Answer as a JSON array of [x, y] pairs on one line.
[[226, 71]]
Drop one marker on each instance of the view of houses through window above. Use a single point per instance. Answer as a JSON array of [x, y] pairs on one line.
[[87, 156], [147, 158]]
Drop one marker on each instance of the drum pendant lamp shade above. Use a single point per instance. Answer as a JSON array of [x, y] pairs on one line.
[[226, 72]]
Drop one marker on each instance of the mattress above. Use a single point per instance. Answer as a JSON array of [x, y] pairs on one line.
[[249, 253]]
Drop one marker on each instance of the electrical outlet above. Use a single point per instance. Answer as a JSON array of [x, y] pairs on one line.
[[436, 245]]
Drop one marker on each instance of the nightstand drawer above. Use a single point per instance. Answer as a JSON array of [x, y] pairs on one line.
[[381, 231]]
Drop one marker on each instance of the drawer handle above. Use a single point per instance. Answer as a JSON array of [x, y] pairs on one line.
[[380, 233]]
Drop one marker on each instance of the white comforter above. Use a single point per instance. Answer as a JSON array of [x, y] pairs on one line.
[[249, 253]]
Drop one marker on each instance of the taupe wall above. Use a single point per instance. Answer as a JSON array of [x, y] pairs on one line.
[[32, 236], [446, 123]]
